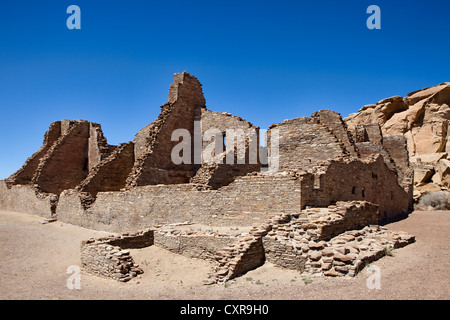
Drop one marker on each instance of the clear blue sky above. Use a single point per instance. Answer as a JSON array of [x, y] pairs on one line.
[[265, 61]]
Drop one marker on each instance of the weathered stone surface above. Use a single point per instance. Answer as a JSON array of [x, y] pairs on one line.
[[422, 117]]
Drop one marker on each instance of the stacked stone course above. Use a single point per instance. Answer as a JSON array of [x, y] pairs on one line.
[[192, 244], [106, 257]]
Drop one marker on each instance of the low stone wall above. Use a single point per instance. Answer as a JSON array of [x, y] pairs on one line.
[[242, 255], [284, 254], [192, 244], [23, 198], [343, 216], [106, 257]]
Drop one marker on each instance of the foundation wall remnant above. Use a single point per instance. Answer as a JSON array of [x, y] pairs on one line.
[[319, 241], [106, 257], [192, 244]]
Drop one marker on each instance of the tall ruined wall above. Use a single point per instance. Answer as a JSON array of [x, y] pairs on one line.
[[111, 173], [245, 142], [153, 144], [70, 150], [99, 149], [246, 200], [333, 121], [352, 180], [25, 174], [66, 164]]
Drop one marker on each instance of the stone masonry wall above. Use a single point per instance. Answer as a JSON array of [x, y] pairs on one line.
[[106, 257], [153, 144], [369, 180], [247, 200], [393, 149], [304, 144], [192, 244], [111, 173], [25, 174], [216, 175], [66, 163], [98, 147], [71, 149], [24, 198], [333, 121]]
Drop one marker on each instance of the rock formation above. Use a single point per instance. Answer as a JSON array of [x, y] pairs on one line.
[[422, 117]]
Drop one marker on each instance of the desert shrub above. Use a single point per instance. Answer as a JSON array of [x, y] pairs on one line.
[[435, 201]]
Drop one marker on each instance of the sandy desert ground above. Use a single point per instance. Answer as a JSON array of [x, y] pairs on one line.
[[35, 258]]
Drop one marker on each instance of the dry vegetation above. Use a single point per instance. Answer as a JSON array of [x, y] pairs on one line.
[[434, 201]]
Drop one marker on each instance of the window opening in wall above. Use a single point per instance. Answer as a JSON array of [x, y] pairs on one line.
[[374, 176], [392, 195], [363, 193], [224, 139], [317, 181], [85, 164], [353, 190]]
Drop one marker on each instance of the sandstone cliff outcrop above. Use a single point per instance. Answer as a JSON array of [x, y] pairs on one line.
[[422, 117]]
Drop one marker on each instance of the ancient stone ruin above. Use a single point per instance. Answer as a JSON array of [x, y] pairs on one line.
[[312, 200]]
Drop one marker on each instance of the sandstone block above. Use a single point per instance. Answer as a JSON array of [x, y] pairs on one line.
[[314, 255]]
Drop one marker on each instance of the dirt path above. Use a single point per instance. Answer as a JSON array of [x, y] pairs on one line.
[[35, 258]]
